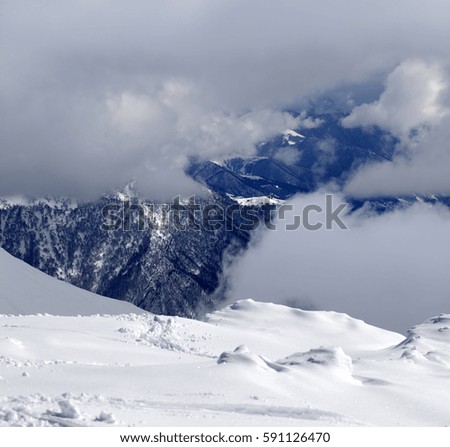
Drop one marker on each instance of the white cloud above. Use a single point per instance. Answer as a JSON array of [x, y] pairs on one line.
[[133, 114], [308, 122], [94, 146], [414, 107], [163, 128], [390, 270], [426, 173], [288, 155], [412, 99], [326, 155]]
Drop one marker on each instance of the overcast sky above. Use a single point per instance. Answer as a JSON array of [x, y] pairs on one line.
[[96, 92]]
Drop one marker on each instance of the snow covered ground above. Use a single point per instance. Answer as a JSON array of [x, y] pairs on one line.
[[250, 364], [26, 290]]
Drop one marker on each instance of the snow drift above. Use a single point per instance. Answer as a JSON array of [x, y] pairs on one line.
[[25, 290], [290, 367]]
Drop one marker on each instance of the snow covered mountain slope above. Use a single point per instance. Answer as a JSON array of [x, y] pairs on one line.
[[249, 364], [157, 267], [293, 162], [25, 290]]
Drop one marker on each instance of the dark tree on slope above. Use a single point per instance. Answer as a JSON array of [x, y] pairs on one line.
[[163, 270]]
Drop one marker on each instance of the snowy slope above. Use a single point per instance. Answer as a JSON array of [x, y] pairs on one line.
[[25, 290], [249, 364], [160, 269]]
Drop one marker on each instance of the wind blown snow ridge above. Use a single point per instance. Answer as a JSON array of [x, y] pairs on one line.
[[248, 364], [296, 368]]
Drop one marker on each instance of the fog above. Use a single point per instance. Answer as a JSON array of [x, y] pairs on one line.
[[390, 270]]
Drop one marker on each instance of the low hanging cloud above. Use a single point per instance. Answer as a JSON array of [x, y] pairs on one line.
[[168, 126], [412, 99], [424, 173], [415, 107], [172, 116], [288, 155], [96, 92], [148, 137], [390, 270]]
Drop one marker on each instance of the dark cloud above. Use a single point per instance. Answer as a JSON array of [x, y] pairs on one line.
[[93, 93]]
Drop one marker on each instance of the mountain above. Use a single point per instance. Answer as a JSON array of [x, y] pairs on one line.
[[178, 271], [151, 263], [25, 290], [249, 364], [294, 162]]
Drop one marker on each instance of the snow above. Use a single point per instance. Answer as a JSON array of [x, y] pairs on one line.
[[255, 201], [218, 162], [249, 364], [26, 290], [68, 410], [252, 177], [6, 202], [292, 133], [105, 417]]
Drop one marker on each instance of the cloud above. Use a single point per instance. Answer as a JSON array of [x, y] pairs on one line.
[[415, 107], [390, 270], [308, 122], [412, 99], [96, 92], [288, 155], [98, 146], [172, 124], [426, 172], [326, 155]]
